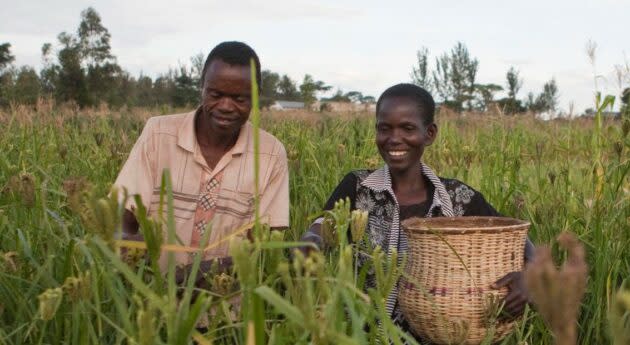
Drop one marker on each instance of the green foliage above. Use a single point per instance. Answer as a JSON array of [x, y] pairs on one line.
[[453, 79], [6, 58], [420, 73], [309, 89], [47, 243], [287, 89]]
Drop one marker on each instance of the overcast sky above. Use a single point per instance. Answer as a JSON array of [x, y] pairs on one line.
[[353, 45]]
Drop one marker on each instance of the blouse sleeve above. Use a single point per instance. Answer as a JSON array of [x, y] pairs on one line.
[[347, 188], [480, 207]]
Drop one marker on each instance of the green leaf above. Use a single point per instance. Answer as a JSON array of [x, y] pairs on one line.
[[283, 306]]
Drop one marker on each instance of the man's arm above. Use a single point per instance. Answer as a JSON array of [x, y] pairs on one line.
[[274, 199], [136, 177]]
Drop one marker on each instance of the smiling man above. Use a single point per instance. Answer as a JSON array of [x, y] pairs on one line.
[[210, 155]]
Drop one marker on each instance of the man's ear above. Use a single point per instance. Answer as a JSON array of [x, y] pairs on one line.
[[432, 131]]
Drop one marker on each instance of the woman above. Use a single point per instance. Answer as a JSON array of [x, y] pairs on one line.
[[405, 187]]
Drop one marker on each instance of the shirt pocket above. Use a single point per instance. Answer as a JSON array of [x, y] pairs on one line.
[[184, 206], [235, 205]]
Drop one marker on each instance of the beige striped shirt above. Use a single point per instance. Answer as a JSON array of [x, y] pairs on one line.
[[169, 142]]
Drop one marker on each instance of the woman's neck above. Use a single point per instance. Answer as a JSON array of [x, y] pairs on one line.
[[409, 186]]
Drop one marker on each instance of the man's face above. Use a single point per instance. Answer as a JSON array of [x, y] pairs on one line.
[[226, 96], [401, 136]]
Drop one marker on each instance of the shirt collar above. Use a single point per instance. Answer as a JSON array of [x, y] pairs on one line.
[[380, 180], [187, 138]]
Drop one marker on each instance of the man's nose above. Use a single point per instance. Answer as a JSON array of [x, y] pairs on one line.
[[225, 105]]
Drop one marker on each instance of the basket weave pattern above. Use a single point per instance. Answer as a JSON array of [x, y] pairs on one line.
[[451, 264]]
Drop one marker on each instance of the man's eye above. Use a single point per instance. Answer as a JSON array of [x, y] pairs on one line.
[[241, 99], [214, 94], [410, 128]]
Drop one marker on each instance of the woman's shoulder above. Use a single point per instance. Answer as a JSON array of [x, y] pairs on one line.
[[360, 174], [453, 184], [466, 200]]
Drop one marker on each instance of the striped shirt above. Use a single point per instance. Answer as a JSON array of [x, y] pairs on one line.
[[169, 142]]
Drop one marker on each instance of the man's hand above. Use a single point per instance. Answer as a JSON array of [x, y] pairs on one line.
[[517, 297]]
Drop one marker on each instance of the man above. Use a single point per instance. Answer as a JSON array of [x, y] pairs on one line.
[[210, 155]]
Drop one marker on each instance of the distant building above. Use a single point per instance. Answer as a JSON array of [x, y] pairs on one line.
[[343, 107], [286, 105]]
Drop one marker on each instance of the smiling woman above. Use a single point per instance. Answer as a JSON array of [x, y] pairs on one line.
[[406, 187]]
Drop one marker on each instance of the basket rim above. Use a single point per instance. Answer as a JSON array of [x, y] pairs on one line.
[[414, 225]]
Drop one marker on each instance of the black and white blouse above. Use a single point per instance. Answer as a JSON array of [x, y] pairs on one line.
[[371, 191]]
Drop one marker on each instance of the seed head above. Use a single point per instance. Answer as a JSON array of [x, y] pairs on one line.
[[78, 288], [49, 302], [557, 293], [619, 317], [358, 224]]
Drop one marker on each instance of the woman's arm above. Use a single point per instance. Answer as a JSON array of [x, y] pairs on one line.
[[347, 188]]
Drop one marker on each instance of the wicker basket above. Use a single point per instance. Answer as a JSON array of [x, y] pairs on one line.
[[451, 264]]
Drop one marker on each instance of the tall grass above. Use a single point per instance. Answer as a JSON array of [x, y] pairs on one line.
[[62, 280]]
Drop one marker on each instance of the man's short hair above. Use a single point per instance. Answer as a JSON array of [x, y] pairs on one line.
[[424, 100], [233, 53]]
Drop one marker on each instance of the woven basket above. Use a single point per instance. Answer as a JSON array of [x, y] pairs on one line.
[[451, 264]]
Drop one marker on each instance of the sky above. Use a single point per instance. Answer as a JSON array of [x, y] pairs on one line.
[[365, 46]]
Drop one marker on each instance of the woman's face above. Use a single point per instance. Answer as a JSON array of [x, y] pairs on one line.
[[400, 134]]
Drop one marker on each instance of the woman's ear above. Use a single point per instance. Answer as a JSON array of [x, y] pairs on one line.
[[432, 131]]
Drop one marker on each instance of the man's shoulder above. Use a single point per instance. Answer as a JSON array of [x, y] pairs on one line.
[[167, 124]]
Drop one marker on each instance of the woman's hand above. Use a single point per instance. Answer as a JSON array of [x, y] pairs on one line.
[[517, 297]]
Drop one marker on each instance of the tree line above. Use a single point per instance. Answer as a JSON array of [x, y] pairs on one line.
[[453, 80], [81, 68]]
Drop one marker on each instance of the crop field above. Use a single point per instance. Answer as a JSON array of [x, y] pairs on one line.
[[63, 280]]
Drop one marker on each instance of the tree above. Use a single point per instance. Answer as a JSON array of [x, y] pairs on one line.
[[269, 89], [186, 92], [71, 82], [94, 39], [368, 99], [197, 62], [514, 83], [309, 89], [548, 99], [454, 77], [49, 72], [26, 89], [486, 94], [510, 104], [354, 96], [104, 76], [441, 78], [420, 74], [6, 76], [463, 75], [144, 92], [287, 90], [6, 58], [625, 102]]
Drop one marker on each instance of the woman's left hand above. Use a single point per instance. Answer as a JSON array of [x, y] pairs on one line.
[[517, 297]]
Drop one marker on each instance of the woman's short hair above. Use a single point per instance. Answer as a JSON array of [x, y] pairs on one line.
[[424, 100]]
